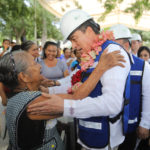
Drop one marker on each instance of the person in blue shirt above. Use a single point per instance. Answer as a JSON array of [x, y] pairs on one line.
[[76, 62]]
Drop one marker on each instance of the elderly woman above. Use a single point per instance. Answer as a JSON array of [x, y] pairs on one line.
[[21, 74]]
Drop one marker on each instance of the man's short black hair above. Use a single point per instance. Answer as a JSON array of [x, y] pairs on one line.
[[89, 23]]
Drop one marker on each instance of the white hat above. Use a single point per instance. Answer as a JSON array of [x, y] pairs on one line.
[[121, 31], [71, 21], [136, 37]]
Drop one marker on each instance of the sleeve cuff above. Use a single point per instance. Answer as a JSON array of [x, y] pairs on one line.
[[51, 90], [69, 108], [145, 124]]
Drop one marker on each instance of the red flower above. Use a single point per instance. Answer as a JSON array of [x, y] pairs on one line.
[[76, 77]]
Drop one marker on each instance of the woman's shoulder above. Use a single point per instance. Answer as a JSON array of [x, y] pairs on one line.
[[23, 97]]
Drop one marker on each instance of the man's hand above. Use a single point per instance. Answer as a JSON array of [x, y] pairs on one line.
[[52, 105], [142, 133]]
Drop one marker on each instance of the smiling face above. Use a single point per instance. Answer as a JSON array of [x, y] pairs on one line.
[[83, 40], [51, 52], [32, 76]]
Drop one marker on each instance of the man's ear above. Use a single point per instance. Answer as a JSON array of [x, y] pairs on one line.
[[23, 77], [89, 30]]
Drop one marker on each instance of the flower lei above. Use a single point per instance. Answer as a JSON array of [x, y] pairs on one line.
[[87, 59]]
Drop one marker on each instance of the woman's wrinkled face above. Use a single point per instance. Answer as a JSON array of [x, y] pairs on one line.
[[51, 52], [34, 73], [34, 51], [144, 55]]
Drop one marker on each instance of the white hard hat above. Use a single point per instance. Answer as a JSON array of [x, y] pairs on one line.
[[136, 37], [14, 41], [121, 31], [72, 20]]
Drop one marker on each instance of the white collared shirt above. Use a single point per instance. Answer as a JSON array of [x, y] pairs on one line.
[[145, 115], [110, 103]]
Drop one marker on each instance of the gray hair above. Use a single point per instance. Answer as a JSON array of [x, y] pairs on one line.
[[20, 59], [11, 65]]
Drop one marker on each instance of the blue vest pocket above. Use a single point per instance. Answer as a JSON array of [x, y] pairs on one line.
[[94, 134]]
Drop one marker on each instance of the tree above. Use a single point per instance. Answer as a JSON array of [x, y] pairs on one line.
[[137, 8], [13, 14], [46, 27], [17, 19]]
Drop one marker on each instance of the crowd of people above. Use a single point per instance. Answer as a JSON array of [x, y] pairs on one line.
[[96, 92]]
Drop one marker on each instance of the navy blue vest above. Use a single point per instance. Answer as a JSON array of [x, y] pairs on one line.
[[135, 105], [94, 131]]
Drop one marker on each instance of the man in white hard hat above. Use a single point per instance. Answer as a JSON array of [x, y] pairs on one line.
[[140, 85], [105, 101], [122, 35], [136, 43]]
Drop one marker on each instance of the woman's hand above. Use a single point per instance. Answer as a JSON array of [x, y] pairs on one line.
[[66, 73], [142, 133], [43, 89], [49, 83], [109, 60]]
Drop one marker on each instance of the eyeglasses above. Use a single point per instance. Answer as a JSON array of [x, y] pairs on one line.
[[13, 62]]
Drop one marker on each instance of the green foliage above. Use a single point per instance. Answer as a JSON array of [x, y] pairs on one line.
[[138, 8], [13, 14], [51, 20], [145, 36], [77, 4], [17, 18], [109, 5]]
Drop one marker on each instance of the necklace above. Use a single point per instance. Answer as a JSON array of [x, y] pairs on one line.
[[87, 59]]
